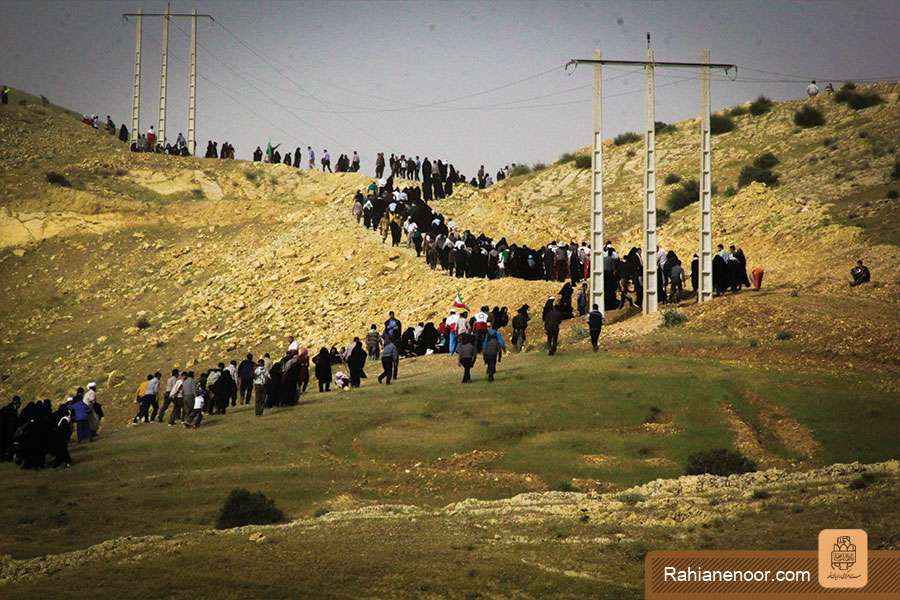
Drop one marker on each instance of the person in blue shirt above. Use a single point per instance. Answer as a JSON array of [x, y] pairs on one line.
[[491, 349]]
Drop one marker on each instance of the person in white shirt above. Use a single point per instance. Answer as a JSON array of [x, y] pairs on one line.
[[293, 345], [196, 416], [812, 89], [260, 379]]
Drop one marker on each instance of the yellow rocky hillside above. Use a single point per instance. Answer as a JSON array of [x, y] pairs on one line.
[[144, 261]]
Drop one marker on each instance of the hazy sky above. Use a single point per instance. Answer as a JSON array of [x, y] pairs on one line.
[[408, 77]]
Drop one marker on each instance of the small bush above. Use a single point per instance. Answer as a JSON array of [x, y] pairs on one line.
[[630, 153], [862, 481], [760, 494], [750, 173], [243, 508], [660, 127], [626, 138], [662, 216], [863, 134], [827, 142], [720, 124], [142, 323], [808, 117], [58, 179], [892, 194], [673, 318], [251, 176], [321, 512], [765, 161], [567, 157], [738, 111], [730, 191], [631, 498], [784, 335], [895, 174], [198, 194], [583, 162], [520, 170], [672, 178], [538, 166], [760, 106], [719, 462], [634, 551], [563, 486], [856, 100], [754, 343], [686, 194]]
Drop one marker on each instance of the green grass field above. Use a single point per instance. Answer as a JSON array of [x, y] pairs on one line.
[[576, 420]]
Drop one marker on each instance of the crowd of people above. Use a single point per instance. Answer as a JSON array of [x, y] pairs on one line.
[[31, 434]]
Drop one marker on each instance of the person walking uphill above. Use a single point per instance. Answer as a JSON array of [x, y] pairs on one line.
[[466, 351], [373, 343], [389, 356], [322, 361], [245, 372], [595, 324], [552, 319], [491, 350], [520, 324]]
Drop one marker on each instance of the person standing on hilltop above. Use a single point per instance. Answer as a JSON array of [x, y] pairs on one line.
[[257, 154], [298, 157], [311, 155], [812, 90], [379, 165], [354, 164], [4, 95], [326, 161], [123, 133]]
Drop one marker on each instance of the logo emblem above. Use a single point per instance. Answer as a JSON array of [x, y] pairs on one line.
[[843, 558]]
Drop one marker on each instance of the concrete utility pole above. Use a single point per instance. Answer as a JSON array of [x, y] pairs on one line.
[[136, 83], [192, 90], [650, 264], [705, 291], [597, 278], [650, 296], [163, 76]]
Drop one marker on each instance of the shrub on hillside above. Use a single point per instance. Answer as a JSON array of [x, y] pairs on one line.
[[859, 101], [673, 318], [566, 157], [738, 111], [662, 216], [538, 166], [251, 176], [519, 170], [720, 124], [58, 179], [808, 117], [719, 462], [583, 161], [765, 161], [730, 191], [751, 173], [244, 508], [892, 194], [672, 178], [760, 106], [660, 127], [626, 138], [687, 193], [142, 323]]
